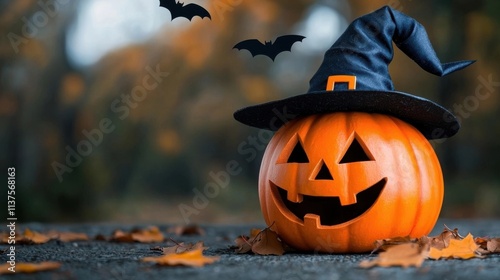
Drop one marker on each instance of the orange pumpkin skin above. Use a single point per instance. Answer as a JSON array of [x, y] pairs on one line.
[[400, 159]]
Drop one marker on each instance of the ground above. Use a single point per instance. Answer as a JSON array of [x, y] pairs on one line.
[[107, 260]]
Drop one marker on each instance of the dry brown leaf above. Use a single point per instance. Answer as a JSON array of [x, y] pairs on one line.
[[482, 242], [181, 248], [148, 235], [68, 236], [121, 236], [243, 244], [458, 248], [261, 242], [267, 243], [254, 232], [151, 234], [188, 258], [442, 240], [187, 230], [493, 245], [447, 244], [29, 267], [405, 255], [32, 237], [5, 237], [488, 245], [384, 244], [100, 237]]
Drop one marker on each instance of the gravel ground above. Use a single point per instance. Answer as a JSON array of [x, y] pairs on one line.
[[108, 260]]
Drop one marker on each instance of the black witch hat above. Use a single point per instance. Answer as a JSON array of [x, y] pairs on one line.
[[354, 76]]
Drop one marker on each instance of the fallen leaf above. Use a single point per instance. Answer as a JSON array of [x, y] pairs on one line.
[[448, 244], [188, 258], [187, 230], [261, 242], [458, 248], [148, 235], [493, 245], [181, 248], [32, 237], [68, 236], [405, 255], [100, 237], [29, 267], [5, 237], [442, 240], [243, 244], [267, 243], [254, 232], [488, 245], [121, 236], [384, 244], [151, 234]]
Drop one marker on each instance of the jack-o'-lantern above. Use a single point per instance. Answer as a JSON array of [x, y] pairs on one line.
[[350, 162], [337, 182]]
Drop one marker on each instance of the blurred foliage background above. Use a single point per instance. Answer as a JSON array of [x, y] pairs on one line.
[[68, 66]]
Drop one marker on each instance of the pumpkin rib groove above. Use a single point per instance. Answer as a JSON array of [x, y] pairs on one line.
[[424, 185], [408, 143]]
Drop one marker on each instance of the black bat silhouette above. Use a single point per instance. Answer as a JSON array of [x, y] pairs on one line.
[[177, 9], [281, 44]]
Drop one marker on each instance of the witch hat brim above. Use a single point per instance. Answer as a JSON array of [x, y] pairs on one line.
[[360, 58], [431, 119]]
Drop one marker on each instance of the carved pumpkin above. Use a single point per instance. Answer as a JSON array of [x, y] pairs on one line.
[[337, 182]]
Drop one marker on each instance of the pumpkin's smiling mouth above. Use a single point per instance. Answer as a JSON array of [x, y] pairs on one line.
[[329, 209]]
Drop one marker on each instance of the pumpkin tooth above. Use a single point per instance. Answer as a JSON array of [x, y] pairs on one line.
[[348, 199], [294, 197], [312, 220]]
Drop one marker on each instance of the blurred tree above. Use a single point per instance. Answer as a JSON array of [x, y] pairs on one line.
[[162, 137]]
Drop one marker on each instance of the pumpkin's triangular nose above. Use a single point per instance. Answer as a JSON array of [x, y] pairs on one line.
[[323, 173]]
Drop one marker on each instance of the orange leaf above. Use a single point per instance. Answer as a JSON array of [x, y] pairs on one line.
[[34, 237], [149, 235], [405, 255], [29, 267], [30, 236], [121, 236], [68, 236], [5, 237], [461, 249], [189, 258]]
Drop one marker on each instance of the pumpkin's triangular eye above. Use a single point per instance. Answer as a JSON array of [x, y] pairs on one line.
[[355, 153], [298, 154]]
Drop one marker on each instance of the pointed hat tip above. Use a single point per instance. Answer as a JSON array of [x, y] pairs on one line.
[[451, 67]]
